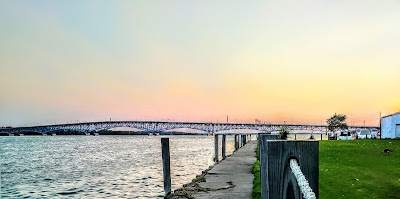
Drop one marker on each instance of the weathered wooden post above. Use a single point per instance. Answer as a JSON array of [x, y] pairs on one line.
[[236, 142], [216, 148], [321, 136], [277, 178], [223, 147], [295, 138], [166, 165], [263, 136]]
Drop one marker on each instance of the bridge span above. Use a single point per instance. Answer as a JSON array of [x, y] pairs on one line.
[[157, 127]]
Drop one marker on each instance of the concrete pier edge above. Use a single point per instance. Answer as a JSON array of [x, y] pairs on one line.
[[230, 178]]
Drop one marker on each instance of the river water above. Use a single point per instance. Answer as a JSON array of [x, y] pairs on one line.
[[99, 166]]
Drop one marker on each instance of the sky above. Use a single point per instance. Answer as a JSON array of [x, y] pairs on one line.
[[275, 61]]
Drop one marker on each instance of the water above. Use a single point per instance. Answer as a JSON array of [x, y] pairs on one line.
[[306, 136], [99, 166]]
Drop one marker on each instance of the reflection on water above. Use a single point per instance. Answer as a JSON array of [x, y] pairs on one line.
[[100, 166]]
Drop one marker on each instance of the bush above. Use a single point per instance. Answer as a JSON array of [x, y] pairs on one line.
[[284, 132]]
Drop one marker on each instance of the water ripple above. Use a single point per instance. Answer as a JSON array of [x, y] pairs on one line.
[[98, 167]]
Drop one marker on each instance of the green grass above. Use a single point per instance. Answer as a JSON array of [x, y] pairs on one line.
[[354, 169], [256, 172], [256, 182]]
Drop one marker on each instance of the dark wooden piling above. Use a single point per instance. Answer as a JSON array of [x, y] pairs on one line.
[[263, 137], [216, 148], [236, 142], [223, 147], [321, 136], [277, 179], [166, 165]]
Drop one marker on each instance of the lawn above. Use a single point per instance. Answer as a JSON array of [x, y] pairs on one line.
[[355, 169]]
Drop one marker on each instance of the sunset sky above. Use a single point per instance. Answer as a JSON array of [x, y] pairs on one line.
[[293, 61]]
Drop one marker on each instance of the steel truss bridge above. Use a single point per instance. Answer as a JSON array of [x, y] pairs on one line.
[[157, 127]]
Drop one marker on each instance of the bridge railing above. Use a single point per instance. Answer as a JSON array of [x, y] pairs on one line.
[[289, 169]]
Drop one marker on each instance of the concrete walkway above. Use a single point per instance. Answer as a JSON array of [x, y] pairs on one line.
[[231, 178]]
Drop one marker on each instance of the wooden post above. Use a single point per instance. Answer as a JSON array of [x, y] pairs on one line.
[[166, 165], [277, 179], [264, 136], [321, 136], [295, 138], [236, 142], [239, 140], [223, 147], [216, 148]]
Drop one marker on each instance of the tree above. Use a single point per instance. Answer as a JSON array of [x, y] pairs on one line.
[[284, 132], [337, 122]]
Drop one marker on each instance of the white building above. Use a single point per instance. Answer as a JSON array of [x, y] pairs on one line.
[[390, 126]]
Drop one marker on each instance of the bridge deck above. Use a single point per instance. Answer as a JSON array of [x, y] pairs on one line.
[[231, 178]]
